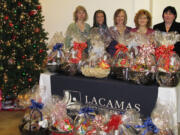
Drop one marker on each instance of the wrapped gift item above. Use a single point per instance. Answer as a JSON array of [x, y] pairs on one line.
[[148, 127], [143, 62], [142, 70], [56, 52], [168, 61], [98, 62], [60, 122], [121, 60], [162, 117], [24, 98], [33, 122], [137, 40], [130, 119], [76, 54], [83, 121]]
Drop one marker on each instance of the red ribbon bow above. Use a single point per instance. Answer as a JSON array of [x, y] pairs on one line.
[[114, 123], [79, 47], [166, 53], [120, 47]]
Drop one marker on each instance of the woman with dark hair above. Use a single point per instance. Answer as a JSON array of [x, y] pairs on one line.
[[169, 24], [100, 26]]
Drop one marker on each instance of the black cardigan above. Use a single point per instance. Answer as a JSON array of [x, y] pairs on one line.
[[174, 27]]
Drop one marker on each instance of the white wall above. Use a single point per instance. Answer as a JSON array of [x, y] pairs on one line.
[[59, 13]]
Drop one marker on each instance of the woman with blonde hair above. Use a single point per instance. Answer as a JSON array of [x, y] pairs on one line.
[[78, 28], [119, 29]]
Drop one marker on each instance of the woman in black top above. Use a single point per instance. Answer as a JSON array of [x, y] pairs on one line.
[[100, 25], [169, 25]]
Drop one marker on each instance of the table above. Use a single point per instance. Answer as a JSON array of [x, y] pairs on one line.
[[166, 96]]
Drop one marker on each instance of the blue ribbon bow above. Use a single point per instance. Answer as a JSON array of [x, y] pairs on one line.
[[86, 111], [36, 105], [149, 125], [58, 47]]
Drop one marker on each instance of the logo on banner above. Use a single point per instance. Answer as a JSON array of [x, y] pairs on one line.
[[73, 96]]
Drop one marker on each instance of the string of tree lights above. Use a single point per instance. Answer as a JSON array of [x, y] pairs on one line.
[[22, 45]]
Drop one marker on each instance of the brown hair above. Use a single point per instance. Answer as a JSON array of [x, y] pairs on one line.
[[117, 13], [77, 10], [140, 13]]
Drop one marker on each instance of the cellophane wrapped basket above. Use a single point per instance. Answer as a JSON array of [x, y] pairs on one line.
[[57, 55], [121, 59], [143, 63], [98, 62], [75, 55], [60, 122], [30, 124], [168, 61]]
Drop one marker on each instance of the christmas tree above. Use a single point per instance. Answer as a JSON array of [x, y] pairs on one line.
[[22, 45]]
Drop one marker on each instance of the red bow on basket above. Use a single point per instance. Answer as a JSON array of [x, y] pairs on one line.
[[120, 47], [79, 47], [114, 123], [166, 53]]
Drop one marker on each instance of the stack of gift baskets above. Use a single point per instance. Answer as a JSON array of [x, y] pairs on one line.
[[168, 62]]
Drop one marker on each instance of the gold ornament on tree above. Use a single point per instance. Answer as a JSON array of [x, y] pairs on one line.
[[5, 78]]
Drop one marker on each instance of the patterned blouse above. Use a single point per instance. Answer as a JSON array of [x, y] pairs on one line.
[[115, 33], [73, 30]]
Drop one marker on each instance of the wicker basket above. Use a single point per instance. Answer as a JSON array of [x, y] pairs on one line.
[[119, 73], [41, 131], [145, 78], [168, 79], [55, 132]]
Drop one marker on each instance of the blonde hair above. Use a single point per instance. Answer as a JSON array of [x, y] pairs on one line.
[[117, 13], [140, 13], [80, 8]]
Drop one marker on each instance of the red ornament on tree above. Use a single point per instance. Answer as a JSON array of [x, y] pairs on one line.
[[32, 12], [14, 37], [30, 79], [38, 7], [41, 50], [14, 87], [23, 22], [19, 4], [23, 57], [11, 24], [6, 18], [37, 30]]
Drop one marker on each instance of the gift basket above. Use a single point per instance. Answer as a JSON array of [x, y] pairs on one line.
[[59, 122], [143, 63], [168, 64], [76, 54], [121, 60], [162, 117], [32, 121], [98, 62], [56, 55], [35, 120]]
